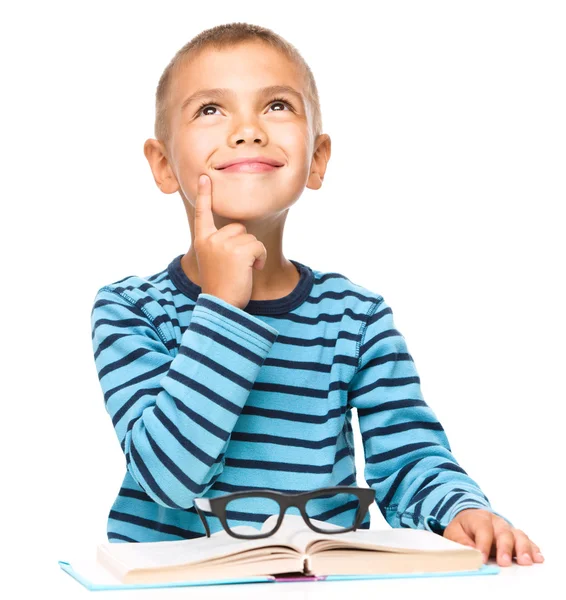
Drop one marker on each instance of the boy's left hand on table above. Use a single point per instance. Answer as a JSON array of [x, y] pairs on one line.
[[494, 536]]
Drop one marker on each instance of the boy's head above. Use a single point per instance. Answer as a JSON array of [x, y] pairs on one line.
[[269, 108]]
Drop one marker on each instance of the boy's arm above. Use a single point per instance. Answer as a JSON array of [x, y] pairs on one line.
[[174, 416], [409, 462]]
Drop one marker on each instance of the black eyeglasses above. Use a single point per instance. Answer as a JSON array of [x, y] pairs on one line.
[[349, 503]]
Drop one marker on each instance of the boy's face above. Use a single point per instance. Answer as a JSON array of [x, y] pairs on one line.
[[244, 122]]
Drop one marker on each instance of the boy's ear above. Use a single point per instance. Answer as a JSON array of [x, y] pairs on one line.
[[320, 159], [166, 181]]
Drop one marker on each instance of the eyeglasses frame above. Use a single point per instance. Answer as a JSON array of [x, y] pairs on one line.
[[217, 506]]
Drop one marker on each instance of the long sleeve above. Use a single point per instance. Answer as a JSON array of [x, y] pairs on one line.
[[173, 406], [408, 459]]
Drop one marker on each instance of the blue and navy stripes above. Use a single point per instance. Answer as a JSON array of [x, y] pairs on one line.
[[206, 398]]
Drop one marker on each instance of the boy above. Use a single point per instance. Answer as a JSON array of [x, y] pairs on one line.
[[235, 368]]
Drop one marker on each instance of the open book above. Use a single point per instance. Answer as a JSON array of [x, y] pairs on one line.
[[294, 550]]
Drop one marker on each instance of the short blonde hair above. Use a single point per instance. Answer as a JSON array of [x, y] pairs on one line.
[[222, 37]]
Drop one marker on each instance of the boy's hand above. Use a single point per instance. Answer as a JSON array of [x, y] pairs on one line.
[[492, 535], [225, 256]]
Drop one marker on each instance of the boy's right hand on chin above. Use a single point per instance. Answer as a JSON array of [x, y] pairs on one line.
[[227, 256]]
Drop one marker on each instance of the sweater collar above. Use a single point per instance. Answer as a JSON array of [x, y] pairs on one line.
[[277, 306]]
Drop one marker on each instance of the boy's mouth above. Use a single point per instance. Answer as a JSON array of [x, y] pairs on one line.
[[249, 167], [254, 161]]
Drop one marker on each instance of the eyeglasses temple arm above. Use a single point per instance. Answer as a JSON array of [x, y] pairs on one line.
[[205, 506]]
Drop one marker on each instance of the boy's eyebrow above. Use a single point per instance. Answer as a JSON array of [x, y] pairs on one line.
[[223, 92]]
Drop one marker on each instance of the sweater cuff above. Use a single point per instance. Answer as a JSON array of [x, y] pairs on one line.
[[234, 321], [436, 526]]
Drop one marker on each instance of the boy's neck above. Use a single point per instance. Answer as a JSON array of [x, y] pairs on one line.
[[278, 278]]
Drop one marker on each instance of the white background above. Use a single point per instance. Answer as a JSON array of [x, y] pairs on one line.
[[443, 193]]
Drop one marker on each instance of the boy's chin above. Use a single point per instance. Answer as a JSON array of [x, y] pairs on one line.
[[247, 212], [239, 206]]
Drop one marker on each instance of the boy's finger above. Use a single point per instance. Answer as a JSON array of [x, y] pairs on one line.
[[484, 538], [505, 544], [523, 547], [538, 557], [204, 220]]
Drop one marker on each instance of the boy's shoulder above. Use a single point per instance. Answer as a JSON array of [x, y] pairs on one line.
[[337, 285], [136, 288]]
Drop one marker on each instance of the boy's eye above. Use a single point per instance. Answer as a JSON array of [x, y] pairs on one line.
[[274, 101]]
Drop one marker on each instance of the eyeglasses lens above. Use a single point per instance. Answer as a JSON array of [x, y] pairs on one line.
[[331, 511], [238, 512]]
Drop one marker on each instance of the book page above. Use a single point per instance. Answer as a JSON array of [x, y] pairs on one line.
[[295, 533], [389, 540], [152, 555]]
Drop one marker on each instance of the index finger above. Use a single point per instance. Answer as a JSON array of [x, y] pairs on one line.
[[204, 221]]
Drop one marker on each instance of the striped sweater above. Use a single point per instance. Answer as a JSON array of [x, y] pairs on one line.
[[206, 398]]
